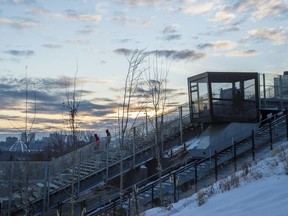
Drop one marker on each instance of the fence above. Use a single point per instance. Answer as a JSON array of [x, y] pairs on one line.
[[194, 174], [50, 177]]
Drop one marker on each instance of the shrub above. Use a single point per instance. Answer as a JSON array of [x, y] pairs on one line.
[[200, 198], [235, 180], [257, 175], [245, 169], [284, 159]]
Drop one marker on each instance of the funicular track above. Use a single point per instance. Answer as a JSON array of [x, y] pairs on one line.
[[188, 173]]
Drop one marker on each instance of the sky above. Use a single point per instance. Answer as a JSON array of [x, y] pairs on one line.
[[46, 44], [266, 194]]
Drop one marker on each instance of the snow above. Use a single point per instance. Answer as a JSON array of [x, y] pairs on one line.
[[190, 144], [193, 143], [263, 190]]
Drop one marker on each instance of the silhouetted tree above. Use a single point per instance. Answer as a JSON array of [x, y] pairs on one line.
[[72, 104], [155, 87], [125, 122]]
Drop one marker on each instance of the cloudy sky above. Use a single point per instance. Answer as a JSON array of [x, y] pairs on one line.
[[51, 41]]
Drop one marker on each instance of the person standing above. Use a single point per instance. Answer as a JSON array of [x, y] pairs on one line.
[[108, 138], [97, 142]]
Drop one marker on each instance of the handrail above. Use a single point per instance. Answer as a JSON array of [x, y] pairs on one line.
[[56, 168], [178, 170]]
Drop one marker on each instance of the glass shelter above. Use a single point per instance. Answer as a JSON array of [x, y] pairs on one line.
[[217, 97]]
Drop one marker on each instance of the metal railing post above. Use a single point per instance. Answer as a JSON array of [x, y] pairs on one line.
[[216, 169], [286, 111], [152, 196], [181, 124], [281, 92], [78, 174], [134, 134], [48, 182], [107, 165], [10, 187], [264, 90], [83, 208], [174, 187], [196, 176], [59, 209], [270, 134], [45, 190], [253, 145], [129, 205], [234, 155], [146, 123], [161, 134]]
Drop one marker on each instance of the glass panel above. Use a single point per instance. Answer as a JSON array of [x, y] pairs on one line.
[[237, 85], [203, 100], [194, 96], [249, 89], [222, 90], [194, 91], [228, 111], [203, 91], [229, 100], [193, 87], [281, 86], [194, 102], [200, 100], [285, 86]]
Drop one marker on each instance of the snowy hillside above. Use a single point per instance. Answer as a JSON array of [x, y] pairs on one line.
[[260, 189]]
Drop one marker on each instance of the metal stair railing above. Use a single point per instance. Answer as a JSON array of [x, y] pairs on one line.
[[60, 175], [189, 166]]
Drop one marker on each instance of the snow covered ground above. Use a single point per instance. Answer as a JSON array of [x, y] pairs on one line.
[[260, 189]]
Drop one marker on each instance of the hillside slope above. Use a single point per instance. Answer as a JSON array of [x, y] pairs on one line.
[[260, 188]]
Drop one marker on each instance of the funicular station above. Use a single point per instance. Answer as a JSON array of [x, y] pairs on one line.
[[227, 102], [215, 125], [219, 97]]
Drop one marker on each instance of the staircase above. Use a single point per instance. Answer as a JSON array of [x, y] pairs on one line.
[[86, 168]]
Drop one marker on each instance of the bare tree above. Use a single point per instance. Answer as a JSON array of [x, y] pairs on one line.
[[125, 122], [155, 86], [72, 107], [27, 134], [57, 145]]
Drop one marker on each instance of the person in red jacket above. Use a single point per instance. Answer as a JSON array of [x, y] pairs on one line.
[[97, 142]]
